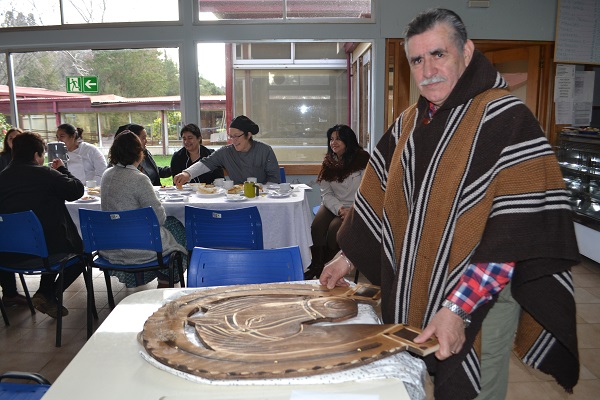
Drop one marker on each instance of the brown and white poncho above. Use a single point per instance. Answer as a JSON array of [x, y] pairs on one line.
[[479, 183]]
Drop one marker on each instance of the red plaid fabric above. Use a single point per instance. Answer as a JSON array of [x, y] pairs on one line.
[[479, 283]]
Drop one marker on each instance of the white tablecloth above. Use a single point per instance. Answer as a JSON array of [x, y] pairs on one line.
[[286, 221], [109, 366]]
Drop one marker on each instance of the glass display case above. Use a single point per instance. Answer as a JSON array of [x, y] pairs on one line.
[[579, 158]]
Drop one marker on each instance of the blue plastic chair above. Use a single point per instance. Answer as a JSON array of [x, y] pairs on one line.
[[22, 233], [217, 267], [239, 228], [282, 174], [131, 229], [34, 389]]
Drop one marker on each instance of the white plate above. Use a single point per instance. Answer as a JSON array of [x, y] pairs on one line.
[[236, 198], [217, 193], [278, 195], [86, 199], [188, 188], [167, 188]]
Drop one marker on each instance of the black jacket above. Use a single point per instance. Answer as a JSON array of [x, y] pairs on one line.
[[28, 186], [155, 172], [181, 161], [5, 159]]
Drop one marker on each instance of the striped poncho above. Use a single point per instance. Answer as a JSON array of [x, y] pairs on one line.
[[479, 183]]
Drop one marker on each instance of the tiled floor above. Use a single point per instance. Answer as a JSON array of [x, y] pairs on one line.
[[28, 343]]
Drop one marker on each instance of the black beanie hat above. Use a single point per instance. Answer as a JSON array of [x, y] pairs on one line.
[[244, 124]]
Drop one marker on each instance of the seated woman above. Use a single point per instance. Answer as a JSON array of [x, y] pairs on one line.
[[192, 152], [124, 187], [28, 184], [6, 153], [243, 158], [148, 165], [86, 162], [10, 296], [339, 178]]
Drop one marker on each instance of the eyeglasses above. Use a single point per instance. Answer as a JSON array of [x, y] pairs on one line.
[[235, 136]]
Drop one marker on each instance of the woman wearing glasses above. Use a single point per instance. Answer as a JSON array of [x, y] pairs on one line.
[[340, 176], [242, 158]]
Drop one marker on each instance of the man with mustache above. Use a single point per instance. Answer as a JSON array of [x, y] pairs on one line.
[[463, 219]]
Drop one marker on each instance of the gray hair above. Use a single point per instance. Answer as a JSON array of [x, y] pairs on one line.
[[430, 18]]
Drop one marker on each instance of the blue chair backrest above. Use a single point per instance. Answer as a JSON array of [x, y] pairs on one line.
[[217, 267], [22, 232], [34, 390], [131, 229], [282, 174], [239, 228]]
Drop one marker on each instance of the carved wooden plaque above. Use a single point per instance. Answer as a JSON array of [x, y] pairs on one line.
[[271, 331]]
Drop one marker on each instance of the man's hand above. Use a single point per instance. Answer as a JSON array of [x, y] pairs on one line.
[[449, 329], [181, 178], [334, 272]]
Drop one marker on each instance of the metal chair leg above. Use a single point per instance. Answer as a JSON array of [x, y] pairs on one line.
[[26, 290], [59, 307], [4, 315], [111, 299]]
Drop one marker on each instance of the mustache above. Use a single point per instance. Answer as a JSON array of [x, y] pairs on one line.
[[433, 79]]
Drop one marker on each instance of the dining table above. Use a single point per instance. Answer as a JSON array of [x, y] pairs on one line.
[[113, 364], [286, 219]]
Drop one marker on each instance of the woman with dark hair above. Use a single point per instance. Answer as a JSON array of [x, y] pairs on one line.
[[192, 152], [340, 176], [86, 162], [28, 184], [124, 187], [148, 165], [6, 154], [7, 279], [242, 158]]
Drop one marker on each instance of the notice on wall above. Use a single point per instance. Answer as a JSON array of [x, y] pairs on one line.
[[578, 32], [564, 86], [573, 95]]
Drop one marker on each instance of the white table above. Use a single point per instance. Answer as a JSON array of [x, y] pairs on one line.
[[110, 366], [286, 221]]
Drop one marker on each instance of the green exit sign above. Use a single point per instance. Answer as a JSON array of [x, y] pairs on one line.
[[82, 84]]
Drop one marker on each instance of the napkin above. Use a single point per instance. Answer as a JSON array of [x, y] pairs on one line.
[[301, 186]]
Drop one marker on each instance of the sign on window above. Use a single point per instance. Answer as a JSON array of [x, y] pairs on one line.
[[82, 84]]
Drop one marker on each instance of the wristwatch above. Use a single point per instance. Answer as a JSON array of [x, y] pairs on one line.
[[458, 311]]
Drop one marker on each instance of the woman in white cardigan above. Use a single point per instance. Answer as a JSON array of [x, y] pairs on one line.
[[124, 187], [340, 176], [86, 162]]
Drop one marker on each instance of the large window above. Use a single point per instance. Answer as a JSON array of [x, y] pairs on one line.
[[294, 108], [133, 86], [293, 91], [48, 12], [283, 9]]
